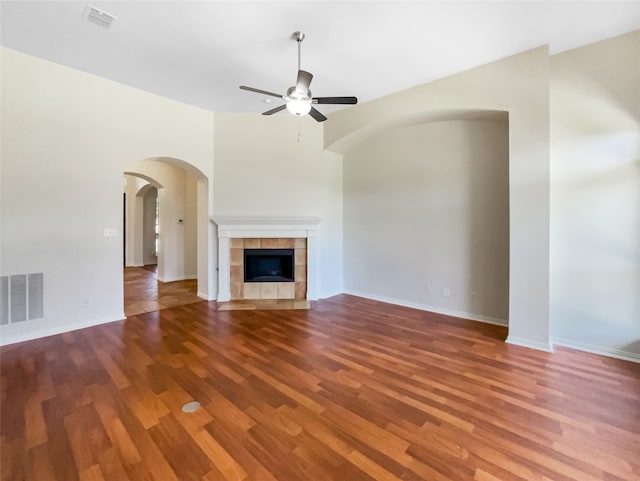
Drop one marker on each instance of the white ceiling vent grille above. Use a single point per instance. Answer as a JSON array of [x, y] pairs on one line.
[[100, 17]]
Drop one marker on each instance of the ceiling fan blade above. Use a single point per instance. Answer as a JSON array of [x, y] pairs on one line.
[[317, 115], [275, 111], [334, 100], [258, 91], [304, 81]]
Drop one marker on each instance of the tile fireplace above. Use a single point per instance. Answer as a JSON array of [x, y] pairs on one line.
[[274, 239]]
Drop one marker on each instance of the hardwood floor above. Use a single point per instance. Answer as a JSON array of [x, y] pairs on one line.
[[350, 390], [143, 292]]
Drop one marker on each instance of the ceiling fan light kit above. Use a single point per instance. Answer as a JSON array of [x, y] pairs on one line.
[[298, 98], [298, 107]]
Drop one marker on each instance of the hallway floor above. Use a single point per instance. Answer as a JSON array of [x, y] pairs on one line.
[[143, 293]]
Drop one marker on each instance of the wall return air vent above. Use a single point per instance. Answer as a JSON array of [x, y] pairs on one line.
[[99, 17]]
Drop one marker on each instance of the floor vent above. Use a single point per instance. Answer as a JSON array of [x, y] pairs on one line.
[[21, 297], [191, 407]]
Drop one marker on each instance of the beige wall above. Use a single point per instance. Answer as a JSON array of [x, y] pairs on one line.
[[276, 166], [518, 85], [427, 209], [134, 229], [67, 138], [595, 208]]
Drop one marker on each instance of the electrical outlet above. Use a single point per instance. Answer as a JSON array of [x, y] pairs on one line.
[[446, 292], [86, 302]]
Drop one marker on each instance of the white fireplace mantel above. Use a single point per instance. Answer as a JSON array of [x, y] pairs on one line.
[[234, 227]]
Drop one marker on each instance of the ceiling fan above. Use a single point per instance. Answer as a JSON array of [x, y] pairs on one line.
[[298, 98]]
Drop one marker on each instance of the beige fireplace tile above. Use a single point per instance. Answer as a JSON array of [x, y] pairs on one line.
[[235, 242], [301, 257], [237, 290], [237, 274], [269, 243], [252, 290], [286, 290], [237, 256], [301, 290], [268, 290], [286, 243], [301, 274], [300, 243], [252, 243]]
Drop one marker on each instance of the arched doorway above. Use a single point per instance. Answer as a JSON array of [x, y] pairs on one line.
[[141, 223], [168, 206]]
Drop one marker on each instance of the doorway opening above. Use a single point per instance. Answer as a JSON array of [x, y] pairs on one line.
[[166, 235]]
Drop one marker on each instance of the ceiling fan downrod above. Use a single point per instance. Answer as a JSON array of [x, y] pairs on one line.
[[299, 37]]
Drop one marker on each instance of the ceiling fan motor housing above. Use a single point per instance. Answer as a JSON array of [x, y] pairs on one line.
[[294, 93]]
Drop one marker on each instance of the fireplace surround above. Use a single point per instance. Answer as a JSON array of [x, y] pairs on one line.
[[267, 232]]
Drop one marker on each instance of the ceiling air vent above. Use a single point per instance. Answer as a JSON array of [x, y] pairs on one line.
[[100, 17]]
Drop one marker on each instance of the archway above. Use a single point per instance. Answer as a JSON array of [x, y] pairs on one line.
[[508, 85], [183, 244], [426, 209], [140, 226]]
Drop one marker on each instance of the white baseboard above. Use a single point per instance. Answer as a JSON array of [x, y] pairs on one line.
[[426, 307], [540, 346], [177, 278], [39, 333], [601, 350], [204, 296], [326, 295]]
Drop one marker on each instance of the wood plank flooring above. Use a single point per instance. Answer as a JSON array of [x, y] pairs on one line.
[[350, 390], [143, 292]]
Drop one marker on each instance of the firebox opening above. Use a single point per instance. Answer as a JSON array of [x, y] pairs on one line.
[[269, 265]]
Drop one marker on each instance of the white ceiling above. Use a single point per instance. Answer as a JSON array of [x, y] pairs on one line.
[[200, 52]]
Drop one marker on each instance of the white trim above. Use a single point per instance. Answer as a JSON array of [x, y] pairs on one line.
[[238, 227], [426, 307], [600, 350], [326, 295], [520, 341], [224, 268], [178, 278], [204, 296], [252, 221], [12, 339]]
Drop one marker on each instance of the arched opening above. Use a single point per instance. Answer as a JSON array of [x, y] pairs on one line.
[[426, 212], [150, 239], [166, 233], [141, 223], [507, 86]]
